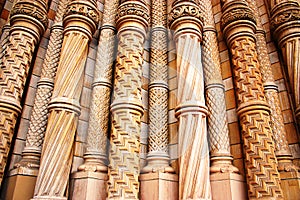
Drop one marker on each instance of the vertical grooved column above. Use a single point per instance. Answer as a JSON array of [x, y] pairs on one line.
[[80, 21], [262, 176], [126, 108], [158, 156], [194, 182], [29, 164], [285, 26], [28, 21]]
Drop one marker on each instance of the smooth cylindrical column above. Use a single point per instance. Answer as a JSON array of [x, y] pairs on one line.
[[28, 21], [80, 21], [193, 152], [126, 108], [262, 176]]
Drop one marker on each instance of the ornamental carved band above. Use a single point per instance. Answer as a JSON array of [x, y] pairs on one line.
[[253, 111], [28, 22], [64, 107], [126, 107], [191, 110]]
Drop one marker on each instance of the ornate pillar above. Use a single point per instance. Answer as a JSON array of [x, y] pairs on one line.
[[155, 182], [224, 176], [28, 21], [285, 26], [93, 173], [126, 108], [80, 21], [25, 172], [194, 182], [239, 24]]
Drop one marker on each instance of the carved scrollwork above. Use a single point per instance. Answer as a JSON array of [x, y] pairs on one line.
[[84, 9], [136, 9], [30, 8], [284, 13], [236, 12], [182, 10]]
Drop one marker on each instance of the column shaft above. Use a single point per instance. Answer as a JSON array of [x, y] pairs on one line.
[[194, 182], [80, 21], [126, 107], [262, 176], [28, 21]]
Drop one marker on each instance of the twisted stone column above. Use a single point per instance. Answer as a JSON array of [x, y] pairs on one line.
[[158, 156], [126, 108], [93, 172], [262, 176], [80, 21], [285, 26], [31, 154], [28, 21], [186, 21]]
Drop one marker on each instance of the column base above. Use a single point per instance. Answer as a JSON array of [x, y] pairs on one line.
[[87, 185], [49, 198], [290, 184], [228, 186], [159, 185], [20, 184]]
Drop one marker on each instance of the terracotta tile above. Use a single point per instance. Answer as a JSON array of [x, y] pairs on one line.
[[234, 133], [291, 133], [230, 99]]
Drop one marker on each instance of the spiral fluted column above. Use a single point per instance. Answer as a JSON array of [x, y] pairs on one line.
[[93, 172], [80, 21], [262, 176], [285, 25], [193, 152], [126, 107], [28, 21]]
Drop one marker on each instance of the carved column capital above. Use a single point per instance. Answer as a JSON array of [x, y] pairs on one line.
[[133, 14], [30, 14], [185, 16], [237, 20], [285, 20], [83, 16]]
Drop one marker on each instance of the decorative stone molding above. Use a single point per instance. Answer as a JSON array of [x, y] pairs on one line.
[[191, 110], [25, 33], [126, 107], [253, 111], [64, 107]]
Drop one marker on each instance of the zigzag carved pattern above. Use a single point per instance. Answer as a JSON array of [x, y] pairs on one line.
[[158, 120], [125, 144], [124, 155], [128, 71], [13, 74], [247, 74], [262, 175], [4, 42], [7, 124]]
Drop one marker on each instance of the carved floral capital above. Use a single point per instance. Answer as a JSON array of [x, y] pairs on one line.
[[185, 9]]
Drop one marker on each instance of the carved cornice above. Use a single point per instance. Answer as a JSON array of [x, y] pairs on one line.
[[30, 11], [82, 11], [236, 11], [133, 11], [284, 13]]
